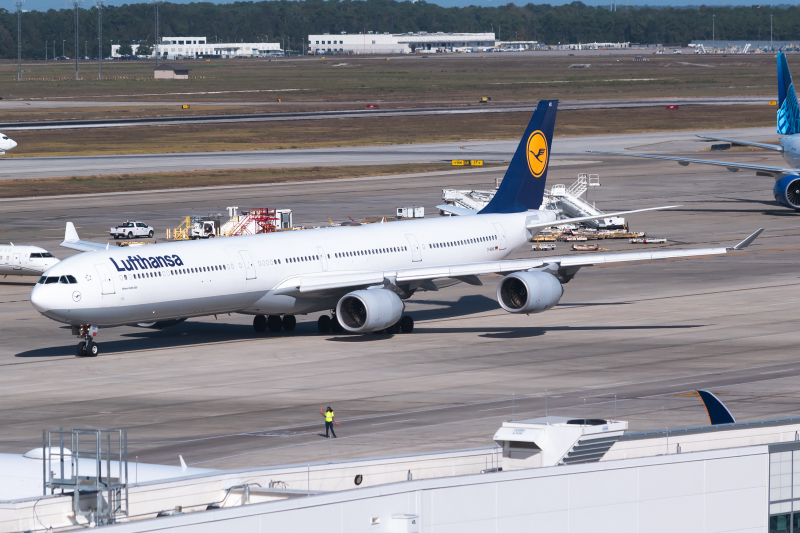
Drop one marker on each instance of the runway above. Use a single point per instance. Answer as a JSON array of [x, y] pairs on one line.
[[489, 151], [362, 113], [223, 396]]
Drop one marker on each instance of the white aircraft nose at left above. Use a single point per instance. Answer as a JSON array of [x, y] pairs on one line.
[[6, 143]]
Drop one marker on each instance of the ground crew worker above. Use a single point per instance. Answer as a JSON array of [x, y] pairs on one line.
[[329, 422]]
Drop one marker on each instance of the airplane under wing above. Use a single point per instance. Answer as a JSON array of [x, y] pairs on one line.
[[71, 240], [329, 283], [761, 170], [766, 146]]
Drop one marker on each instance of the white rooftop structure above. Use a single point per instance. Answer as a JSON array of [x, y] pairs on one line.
[[196, 47], [399, 43]]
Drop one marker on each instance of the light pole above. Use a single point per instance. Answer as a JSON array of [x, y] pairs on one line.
[[19, 3], [63, 48], [100, 38], [713, 40], [45, 50], [771, 46], [155, 3], [75, 5]]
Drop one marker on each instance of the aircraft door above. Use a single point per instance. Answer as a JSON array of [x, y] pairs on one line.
[[501, 236], [416, 253], [323, 258], [17, 261], [105, 278], [250, 268]]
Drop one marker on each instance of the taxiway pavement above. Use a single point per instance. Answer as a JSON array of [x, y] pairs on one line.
[[489, 151]]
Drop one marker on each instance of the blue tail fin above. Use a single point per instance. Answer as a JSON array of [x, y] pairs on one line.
[[788, 111], [523, 185], [717, 412]]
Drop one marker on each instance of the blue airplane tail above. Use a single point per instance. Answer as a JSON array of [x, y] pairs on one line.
[[523, 184], [788, 111]]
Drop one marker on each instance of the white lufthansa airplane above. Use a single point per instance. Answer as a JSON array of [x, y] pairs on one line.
[[787, 180], [24, 260], [6, 143], [362, 273]]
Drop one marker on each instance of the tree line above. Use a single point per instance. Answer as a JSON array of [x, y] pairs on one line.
[[291, 22]]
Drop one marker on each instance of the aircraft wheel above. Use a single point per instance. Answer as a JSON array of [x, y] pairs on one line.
[[324, 324], [92, 349], [289, 322], [260, 323], [81, 349], [274, 323], [336, 327], [407, 324], [393, 329]]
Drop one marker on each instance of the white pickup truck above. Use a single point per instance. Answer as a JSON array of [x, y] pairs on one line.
[[132, 229]]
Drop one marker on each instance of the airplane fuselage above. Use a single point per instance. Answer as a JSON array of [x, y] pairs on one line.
[[791, 150], [194, 278], [24, 260]]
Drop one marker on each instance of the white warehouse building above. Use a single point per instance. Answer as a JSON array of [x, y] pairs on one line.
[[191, 47], [399, 43]]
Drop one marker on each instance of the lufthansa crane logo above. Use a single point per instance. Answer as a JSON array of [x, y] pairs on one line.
[[537, 153]]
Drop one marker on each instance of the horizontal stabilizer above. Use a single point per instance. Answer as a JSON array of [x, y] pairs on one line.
[[72, 241], [460, 211], [717, 412]]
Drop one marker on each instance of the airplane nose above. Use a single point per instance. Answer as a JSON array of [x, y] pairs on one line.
[[13, 143], [39, 299]]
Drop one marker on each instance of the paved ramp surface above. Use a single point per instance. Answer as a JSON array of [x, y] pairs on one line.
[[489, 151]]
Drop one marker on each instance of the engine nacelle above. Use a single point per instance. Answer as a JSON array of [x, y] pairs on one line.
[[529, 292], [787, 191], [369, 310]]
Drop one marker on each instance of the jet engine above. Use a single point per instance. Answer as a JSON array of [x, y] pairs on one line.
[[529, 292], [787, 191], [369, 310]]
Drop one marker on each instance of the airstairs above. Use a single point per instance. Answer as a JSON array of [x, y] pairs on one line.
[[571, 201]]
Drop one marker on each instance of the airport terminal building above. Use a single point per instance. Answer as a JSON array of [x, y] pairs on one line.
[[399, 43], [194, 47]]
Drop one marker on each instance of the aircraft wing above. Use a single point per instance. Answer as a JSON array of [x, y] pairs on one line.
[[333, 283], [71, 240], [761, 170], [766, 146]]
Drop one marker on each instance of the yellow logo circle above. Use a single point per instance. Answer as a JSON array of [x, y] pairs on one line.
[[537, 153]]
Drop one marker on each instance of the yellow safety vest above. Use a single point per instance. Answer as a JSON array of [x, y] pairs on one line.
[[328, 416]]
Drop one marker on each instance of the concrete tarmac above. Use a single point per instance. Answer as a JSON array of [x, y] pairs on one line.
[[489, 151], [224, 396], [373, 113]]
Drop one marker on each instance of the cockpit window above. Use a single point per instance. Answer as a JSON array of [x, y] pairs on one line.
[[68, 279], [46, 254], [5, 138], [35, 255]]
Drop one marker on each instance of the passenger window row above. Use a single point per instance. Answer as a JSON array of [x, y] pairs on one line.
[[41, 255], [269, 262], [47, 280], [376, 251], [302, 259], [463, 242], [179, 271]]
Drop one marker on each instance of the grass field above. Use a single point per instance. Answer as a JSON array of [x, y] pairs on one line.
[[455, 79], [368, 131], [198, 178]]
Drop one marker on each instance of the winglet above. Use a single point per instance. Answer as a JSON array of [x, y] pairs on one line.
[[71, 234], [72, 241], [717, 412], [748, 241], [183, 463]]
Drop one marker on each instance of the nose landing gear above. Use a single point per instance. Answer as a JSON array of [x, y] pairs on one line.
[[86, 347]]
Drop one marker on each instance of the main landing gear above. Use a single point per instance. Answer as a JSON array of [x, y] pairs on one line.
[[274, 323], [87, 347]]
